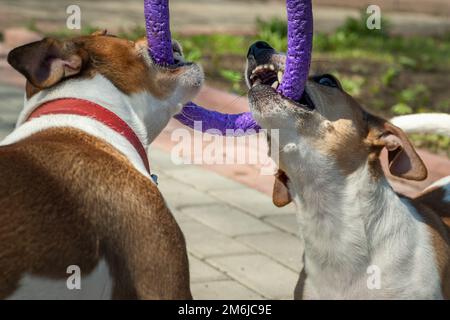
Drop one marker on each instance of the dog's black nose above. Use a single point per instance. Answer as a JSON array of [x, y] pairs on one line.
[[260, 50]]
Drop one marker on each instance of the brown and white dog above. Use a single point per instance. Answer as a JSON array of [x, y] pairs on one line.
[[361, 239], [75, 188]]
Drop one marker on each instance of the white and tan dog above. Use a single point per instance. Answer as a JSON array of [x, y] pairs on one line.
[[75, 183], [351, 221]]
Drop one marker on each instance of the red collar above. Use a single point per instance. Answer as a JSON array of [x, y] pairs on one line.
[[92, 110]]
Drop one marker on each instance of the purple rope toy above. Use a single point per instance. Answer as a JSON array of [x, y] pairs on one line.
[[300, 35]]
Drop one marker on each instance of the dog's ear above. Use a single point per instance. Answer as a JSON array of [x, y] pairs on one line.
[[45, 63], [281, 196], [404, 162]]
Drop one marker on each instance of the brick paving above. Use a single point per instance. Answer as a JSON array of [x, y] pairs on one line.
[[236, 246]]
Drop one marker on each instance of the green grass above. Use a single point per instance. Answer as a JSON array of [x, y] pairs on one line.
[[353, 39]]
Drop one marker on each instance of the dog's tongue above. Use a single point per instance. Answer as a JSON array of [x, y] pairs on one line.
[[300, 36], [157, 24]]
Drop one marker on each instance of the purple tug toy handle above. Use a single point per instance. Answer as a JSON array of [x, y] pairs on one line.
[[236, 124], [157, 24], [300, 33], [300, 37]]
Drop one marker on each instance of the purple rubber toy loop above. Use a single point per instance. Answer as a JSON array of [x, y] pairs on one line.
[[300, 35], [157, 24], [298, 59]]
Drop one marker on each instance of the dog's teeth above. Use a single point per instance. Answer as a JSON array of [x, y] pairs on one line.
[[275, 85], [272, 67], [280, 76]]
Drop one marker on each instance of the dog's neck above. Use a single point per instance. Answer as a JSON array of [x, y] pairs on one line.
[[338, 209], [350, 223], [146, 115]]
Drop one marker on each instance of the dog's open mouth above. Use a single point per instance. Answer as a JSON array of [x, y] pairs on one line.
[[266, 74], [269, 75]]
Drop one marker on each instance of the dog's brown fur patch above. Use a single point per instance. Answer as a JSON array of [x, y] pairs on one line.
[[343, 138], [435, 210], [119, 60]]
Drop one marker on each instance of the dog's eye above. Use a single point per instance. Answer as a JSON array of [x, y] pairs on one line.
[[328, 81]]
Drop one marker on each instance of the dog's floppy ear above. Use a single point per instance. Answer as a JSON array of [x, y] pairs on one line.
[[281, 196], [404, 162], [45, 63]]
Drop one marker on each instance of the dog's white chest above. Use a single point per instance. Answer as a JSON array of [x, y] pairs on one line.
[[94, 286]]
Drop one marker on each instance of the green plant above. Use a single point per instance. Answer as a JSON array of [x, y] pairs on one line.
[[390, 75], [233, 77], [353, 84], [191, 51], [353, 39], [358, 26], [400, 109], [433, 142], [31, 25], [445, 105], [275, 25], [274, 32], [417, 95], [407, 62]]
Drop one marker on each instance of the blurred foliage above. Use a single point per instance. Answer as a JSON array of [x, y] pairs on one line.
[[417, 52], [433, 142], [234, 78], [353, 84], [418, 95], [445, 105], [274, 32], [390, 75], [215, 44], [401, 109], [31, 25]]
